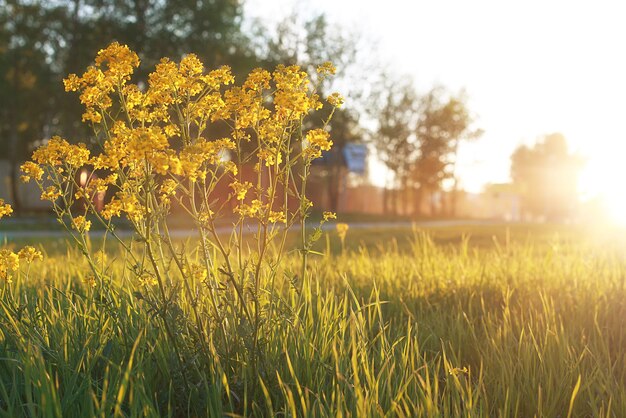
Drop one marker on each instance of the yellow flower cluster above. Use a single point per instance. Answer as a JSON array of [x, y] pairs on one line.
[[241, 189], [127, 202], [167, 189], [113, 68], [56, 152], [327, 216], [157, 143], [5, 209], [81, 224], [9, 264], [31, 170], [318, 141], [52, 193], [292, 98], [256, 208], [112, 209], [342, 230], [335, 99], [327, 68], [29, 254], [277, 217], [10, 261], [271, 156]]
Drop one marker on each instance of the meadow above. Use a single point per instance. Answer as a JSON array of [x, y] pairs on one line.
[[265, 309], [509, 321]]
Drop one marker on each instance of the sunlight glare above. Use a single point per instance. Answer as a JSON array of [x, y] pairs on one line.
[[603, 180]]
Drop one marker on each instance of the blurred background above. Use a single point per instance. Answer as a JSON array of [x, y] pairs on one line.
[[454, 110]]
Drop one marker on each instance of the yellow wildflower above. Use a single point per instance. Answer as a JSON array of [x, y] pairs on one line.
[[5, 209], [81, 224], [326, 68], [119, 59], [257, 80], [318, 141], [100, 185], [168, 188], [9, 263], [319, 138], [251, 210], [329, 215], [291, 96], [31, 170], [342, 230], [131, 205], [335, 99], [277, 217], [58, 151], [80, 193], [29, 254], [111, 209], [205, 216], [241, 189], [215, 78], [271, 156], [51, 194], [72, 82]]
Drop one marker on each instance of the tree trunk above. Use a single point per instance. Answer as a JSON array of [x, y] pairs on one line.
[[13, 170], [404, 190], [455, 184], [13, 146], [453, 196], [417, 202], [386, 200], [433, 205]]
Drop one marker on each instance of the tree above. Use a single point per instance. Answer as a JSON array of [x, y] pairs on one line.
[[444, 121], [417, 138], [395, 139], [546, 175], [26, 42], [41, 41], [155, 29]]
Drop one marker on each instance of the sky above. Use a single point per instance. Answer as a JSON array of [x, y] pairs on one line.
[[529, 67]]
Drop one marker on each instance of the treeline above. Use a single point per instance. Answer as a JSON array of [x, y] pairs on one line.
[[418, 140], [545, 176], [41, 41]]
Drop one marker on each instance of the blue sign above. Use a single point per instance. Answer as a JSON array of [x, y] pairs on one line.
[[356, 157]]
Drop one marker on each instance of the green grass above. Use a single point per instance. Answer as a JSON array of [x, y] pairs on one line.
[[478, 321]]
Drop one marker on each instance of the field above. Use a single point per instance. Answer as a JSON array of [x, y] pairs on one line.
[[479, 321]]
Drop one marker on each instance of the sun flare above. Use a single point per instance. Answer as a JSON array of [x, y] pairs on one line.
[[602, 181], [616, 207]]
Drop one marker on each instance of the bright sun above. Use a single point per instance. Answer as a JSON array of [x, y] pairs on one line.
[[616, 206], [604, 180]]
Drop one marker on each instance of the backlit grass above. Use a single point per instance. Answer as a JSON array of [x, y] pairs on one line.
[[432, 324]]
